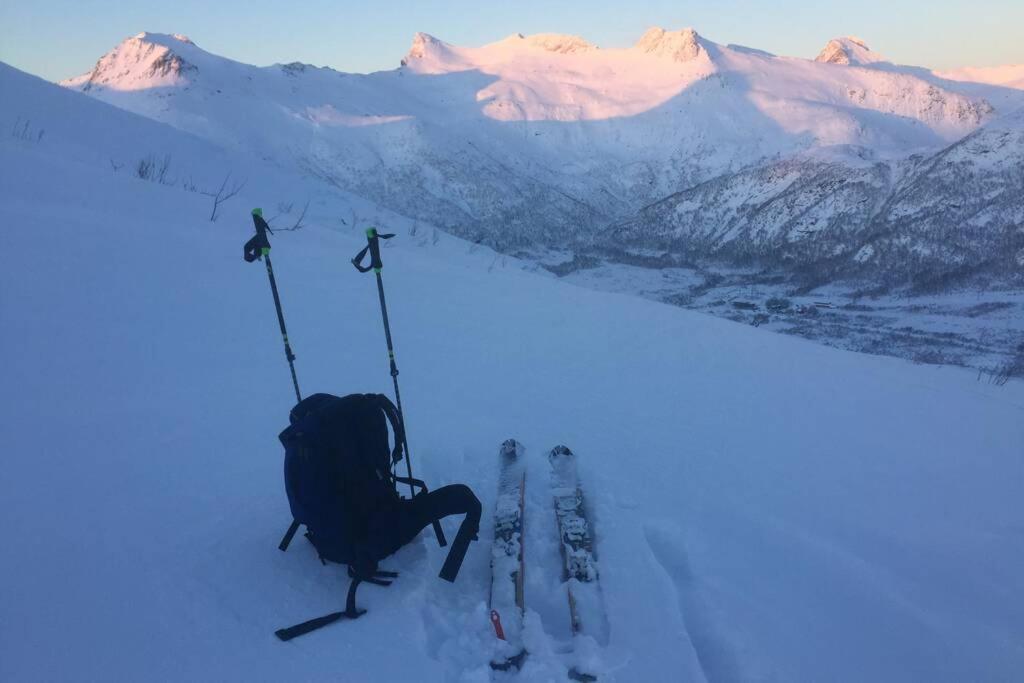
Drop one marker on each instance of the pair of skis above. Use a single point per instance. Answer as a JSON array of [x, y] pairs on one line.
[[579, 566]]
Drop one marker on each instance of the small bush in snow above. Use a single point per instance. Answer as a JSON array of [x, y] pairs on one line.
[[226, 191], [22, 130], [155, 169]]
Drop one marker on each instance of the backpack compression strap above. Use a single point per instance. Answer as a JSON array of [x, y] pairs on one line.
[[396, 453], [396, 426]]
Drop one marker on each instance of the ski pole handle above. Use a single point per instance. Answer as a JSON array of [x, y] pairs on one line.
[[373, 248], [258, 246]]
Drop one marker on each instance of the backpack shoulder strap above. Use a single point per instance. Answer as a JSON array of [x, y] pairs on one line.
[[397, 427]]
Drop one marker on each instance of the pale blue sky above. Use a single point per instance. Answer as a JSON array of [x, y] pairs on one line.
[[60, 38]]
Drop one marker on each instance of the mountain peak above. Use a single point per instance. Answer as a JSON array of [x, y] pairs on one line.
[[683, 45], [161, 38], [848, 51], [425, 47], [145, 60]]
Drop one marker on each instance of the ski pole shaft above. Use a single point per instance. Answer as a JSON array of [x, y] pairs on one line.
[[284, 331], [258, 248], [398, 399], [394, 376], [377, 265]]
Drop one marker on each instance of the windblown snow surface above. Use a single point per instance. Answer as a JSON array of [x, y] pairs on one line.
[[765, 508]]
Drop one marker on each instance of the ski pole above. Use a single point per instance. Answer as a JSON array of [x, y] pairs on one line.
[[373, 248], [258, 248]]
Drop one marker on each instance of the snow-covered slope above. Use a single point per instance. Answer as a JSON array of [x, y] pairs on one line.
[[530, 138], [1009, 76], [765, 508]]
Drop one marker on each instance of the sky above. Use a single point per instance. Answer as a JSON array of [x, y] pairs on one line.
[[60, 38]]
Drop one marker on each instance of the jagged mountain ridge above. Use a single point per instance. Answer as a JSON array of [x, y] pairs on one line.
[[548, 139]]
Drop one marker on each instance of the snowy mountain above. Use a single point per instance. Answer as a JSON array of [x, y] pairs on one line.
[[952, 218], [547, 139], [764, 508], [848, 50]]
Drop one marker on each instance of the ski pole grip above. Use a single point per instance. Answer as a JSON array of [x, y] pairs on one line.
[[372, 248], [258, 245]]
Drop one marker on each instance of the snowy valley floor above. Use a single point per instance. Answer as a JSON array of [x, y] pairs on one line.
[[983, 330], [765, 508]]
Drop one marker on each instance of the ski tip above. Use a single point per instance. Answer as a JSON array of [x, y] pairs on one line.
[[511, 448], [559, 451]]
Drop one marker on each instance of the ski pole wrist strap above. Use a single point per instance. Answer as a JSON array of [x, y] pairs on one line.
[[373, 249]]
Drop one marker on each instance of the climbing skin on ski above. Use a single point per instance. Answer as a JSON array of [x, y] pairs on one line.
[[507, 572], [579, 561]]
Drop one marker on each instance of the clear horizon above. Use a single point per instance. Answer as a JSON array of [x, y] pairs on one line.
[[360, 38]]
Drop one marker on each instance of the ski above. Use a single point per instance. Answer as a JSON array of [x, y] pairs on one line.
[[507, 573], [579, 562]]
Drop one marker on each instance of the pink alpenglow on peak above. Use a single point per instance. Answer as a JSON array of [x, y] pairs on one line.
[[146, 60], [683, 45], [422, 45], [848, 51], [432, 55], [553, 42]]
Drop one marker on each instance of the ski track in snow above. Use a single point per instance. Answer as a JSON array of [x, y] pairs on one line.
[[717, 662]]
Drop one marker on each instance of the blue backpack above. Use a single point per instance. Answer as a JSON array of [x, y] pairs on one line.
[[338, 474]]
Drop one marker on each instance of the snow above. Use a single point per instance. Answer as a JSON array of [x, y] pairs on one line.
[[1008, 75], [848, 50], [764, 508], [518, 138]]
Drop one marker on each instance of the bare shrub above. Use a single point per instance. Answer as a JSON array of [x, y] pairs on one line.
[[155, 169], [226, 191], [144, 169], [163, 166], [298, 224], [22, 130], [1013, 368]]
